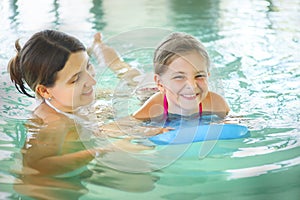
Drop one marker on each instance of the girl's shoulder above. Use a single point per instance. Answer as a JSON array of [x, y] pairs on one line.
[[216, 104], [151, 108]]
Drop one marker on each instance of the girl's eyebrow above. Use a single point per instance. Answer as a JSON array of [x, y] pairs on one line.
[[179, 72], [199, 72]]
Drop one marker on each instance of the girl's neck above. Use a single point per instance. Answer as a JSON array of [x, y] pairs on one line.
[[183, 112]]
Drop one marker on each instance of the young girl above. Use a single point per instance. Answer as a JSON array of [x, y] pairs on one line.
[[181, 67], [56, 67]]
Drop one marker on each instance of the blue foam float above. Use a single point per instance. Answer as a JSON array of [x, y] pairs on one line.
[[185, 135]]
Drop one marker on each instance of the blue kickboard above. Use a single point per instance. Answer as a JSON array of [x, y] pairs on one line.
[[184, 135]]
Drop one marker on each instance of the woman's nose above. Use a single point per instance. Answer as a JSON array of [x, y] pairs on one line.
[[91, 80]]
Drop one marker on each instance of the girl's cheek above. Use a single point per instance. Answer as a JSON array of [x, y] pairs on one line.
[[203, 82]]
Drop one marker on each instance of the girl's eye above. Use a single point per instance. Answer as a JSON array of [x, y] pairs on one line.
[[178, 77], [201, 76]]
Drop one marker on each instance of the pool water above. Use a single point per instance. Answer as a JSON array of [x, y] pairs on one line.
[[255, 50]]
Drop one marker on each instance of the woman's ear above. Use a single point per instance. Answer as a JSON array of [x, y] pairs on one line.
[[159, 83], [43, 91]]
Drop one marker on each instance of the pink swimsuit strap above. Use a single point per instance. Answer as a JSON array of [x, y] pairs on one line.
[[166, 107]]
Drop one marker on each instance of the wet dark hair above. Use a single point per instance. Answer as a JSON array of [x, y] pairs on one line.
[[175, 45], [42, 56]]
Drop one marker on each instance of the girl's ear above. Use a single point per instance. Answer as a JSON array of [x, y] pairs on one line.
[[159, 84], [43, 91]]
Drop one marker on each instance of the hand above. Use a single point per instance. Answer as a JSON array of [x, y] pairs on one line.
[[98, 37], [152, 131], [99, 152], [126, 145]]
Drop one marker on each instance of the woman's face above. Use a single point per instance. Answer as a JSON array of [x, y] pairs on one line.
[[185, 83], [74, 83]]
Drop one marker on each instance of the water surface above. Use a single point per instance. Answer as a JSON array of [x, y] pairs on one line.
[[255, 48]]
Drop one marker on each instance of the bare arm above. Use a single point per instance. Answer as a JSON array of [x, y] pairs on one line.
[[55, 149], [61, 164], [153, 107], [215, 104], [108, 56]]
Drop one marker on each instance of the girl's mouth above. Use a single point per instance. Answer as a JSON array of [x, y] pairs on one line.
[[190, 96]]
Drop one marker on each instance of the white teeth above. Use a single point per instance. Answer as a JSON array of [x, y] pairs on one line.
[[189, 95]]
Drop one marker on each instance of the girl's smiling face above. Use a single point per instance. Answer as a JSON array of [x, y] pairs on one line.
[[74, 84], [185, 83]]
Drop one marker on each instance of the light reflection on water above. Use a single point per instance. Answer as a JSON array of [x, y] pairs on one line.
[[255, 50]]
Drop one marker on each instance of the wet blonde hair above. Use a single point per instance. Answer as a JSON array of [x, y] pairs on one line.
[[175, 45]]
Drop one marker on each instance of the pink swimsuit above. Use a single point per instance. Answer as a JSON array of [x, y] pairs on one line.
[[166, 107]]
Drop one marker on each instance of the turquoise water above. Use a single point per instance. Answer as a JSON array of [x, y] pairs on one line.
[[255, 48]]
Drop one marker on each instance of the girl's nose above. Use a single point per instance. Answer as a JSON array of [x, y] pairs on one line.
[[191, 83]]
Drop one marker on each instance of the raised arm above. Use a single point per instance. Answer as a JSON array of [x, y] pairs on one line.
[[109, 57]]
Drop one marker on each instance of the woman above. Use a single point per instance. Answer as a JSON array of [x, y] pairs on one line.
[[57, 69]]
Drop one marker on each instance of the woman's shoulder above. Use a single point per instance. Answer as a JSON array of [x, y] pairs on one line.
[[48, 115]]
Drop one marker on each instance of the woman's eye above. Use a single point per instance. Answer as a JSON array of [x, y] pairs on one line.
[[75, 79], [90, 69], [89, 65]]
